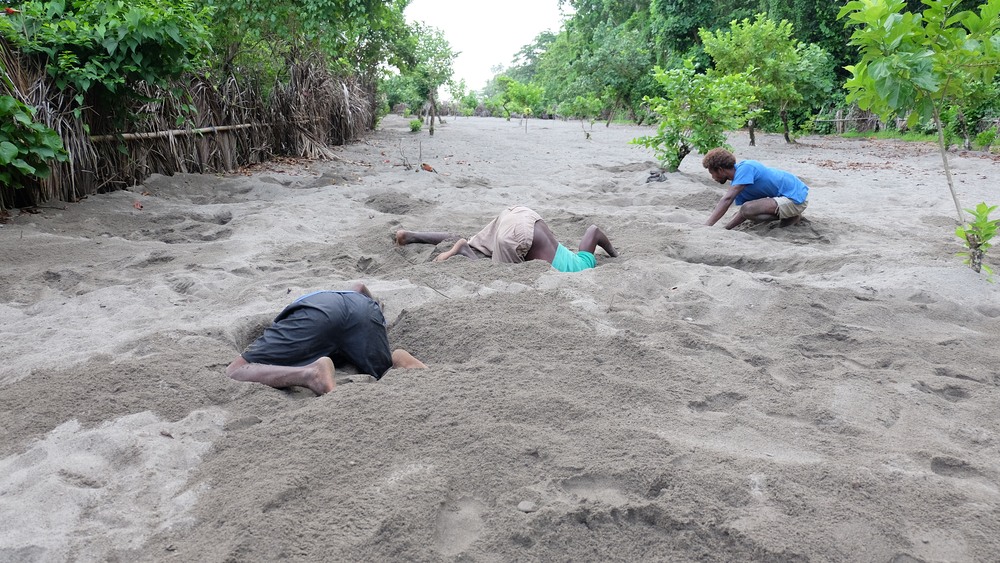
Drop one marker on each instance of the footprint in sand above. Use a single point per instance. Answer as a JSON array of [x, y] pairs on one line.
[[950, 393], [720, 402], [459, 525], [951, 467]]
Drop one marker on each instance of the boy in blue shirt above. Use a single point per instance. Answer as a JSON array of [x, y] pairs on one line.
[[763, 194]]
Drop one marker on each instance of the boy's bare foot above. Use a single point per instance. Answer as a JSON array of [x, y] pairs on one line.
[[460, 247], [402, 237], [320, 379]]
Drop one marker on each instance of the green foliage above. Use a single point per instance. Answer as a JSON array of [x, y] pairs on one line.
[[526, 61], [433, 60], [916, 64], [618, 66], [111, 43], [912, 63], [514, 97], [779, 68], [582, 107], [401, 89], [25, 145], [985, 139], [353, 36], [416, 124], [696, 112], [977, 235]]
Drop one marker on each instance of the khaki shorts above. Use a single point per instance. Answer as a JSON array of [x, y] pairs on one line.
[[508, 237], [788, 208]]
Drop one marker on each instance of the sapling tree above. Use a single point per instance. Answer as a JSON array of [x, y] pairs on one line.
[[695, 112], [913, 65], [434, 65], [977, 235]]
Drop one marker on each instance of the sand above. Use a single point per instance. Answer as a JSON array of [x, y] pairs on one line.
[[824, 392]]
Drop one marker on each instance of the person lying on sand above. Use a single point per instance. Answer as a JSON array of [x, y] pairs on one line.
[[516, 235], [763, 194], [299, 347]]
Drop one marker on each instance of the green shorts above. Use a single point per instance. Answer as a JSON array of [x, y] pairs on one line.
[[566, 260]]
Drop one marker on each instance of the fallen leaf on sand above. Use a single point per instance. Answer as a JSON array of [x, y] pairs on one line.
[[428, 167], [137, 205]]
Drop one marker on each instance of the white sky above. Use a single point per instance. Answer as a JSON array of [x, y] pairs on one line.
[[486, 34]]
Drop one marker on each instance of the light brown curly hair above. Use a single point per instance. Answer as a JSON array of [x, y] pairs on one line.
[[719, 159]]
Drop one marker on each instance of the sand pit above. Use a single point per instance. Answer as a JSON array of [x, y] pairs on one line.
[[824, 392]]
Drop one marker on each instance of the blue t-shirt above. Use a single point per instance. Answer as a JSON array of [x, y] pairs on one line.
[[759, 181], [566, 260]]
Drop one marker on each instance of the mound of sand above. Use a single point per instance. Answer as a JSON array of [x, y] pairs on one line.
[[823, 392]]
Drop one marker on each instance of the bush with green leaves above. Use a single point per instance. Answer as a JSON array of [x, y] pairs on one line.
[[782, 70], [985, 139], [416, 124], [696, 112], [26, 146], [111, 43], [977, 236]]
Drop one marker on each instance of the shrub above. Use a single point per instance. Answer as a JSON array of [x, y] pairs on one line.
[[25, 146], [416, 124]]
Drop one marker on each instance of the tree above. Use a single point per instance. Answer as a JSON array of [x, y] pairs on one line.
[[513, 96], [774, 62], [434, 65], [912, 65], [617, 66], [525, 64], [696, 112]]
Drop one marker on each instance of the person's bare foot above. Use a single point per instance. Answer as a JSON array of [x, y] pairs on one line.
[[320, 379], [405, 360], [460, 247], [402, 237]]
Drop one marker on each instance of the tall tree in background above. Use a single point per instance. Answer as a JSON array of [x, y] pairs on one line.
[[355, 37], [772, 59], [434, 65]]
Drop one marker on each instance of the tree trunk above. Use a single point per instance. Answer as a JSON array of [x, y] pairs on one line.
[[975, 252], [784, 123], [753, 139], [965, 130], [430, 111], [947, 169]]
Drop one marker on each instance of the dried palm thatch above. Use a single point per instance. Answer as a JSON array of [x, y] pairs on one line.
[[223, 129], [194, 126], [316, 109]]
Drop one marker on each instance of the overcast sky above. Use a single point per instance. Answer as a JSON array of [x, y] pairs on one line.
[[486, 34]]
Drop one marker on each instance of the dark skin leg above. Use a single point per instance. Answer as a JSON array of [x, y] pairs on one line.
[[595, 237], [543, 244], [423, 237], [317, 376], [461, 247], [758, 210]]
